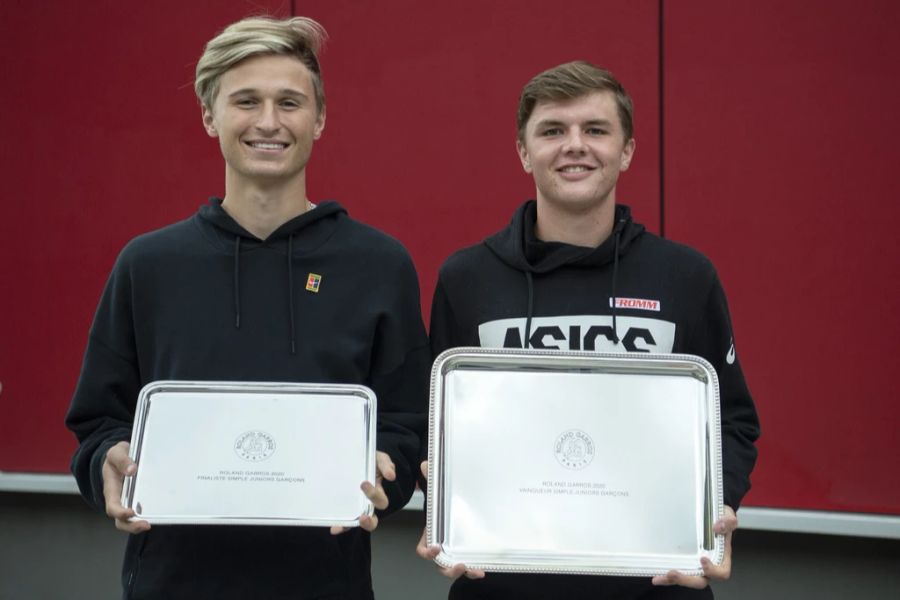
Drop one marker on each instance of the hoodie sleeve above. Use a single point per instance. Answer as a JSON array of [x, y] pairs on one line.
[[102, 409], [714, 341], [444, 332], [400, 381]]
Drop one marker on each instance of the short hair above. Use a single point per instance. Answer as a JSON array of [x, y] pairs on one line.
[[255, 36], [573, 80]]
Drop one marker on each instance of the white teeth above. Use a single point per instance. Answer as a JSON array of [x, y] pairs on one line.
[[266, 146], [574, 169]]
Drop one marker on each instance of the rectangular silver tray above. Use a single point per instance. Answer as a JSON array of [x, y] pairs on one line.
[[574, 462], [252, 453]]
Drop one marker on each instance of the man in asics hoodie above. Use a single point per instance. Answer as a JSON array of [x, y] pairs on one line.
[[261, 285], [573, 271]]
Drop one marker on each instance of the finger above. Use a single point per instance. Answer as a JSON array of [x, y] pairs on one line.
[[726, 524], [118, 512], [457, 571], [424, 550], [118, 458], [677, 578], [661, 580], [428, 552], [385, 466], [454, 572], [116, 466], [112, 492], [122, 516], [368, 522], [376, 494], [132, 526], [720, 572], [424, 468]]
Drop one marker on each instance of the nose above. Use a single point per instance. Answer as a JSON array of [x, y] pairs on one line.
[[267, 119], [574, 141]]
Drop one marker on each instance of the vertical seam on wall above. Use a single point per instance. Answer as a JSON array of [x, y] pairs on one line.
[[662, 126]]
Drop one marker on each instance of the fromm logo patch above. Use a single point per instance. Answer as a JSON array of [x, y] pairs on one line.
[[636, 303]]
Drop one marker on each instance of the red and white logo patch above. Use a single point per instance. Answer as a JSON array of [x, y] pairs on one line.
[[636, 304]]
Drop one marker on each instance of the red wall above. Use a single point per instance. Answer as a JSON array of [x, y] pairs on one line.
[[774, 117], [102, 141], [780, 151], [422, 97]]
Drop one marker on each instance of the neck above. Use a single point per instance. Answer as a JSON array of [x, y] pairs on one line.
[[589, 227], [260, 208]]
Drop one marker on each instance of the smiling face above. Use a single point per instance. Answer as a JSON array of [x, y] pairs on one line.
[[266, 118], [575, 149]]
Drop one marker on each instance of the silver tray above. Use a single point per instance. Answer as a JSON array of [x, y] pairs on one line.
[[241, 453], [574, 462]]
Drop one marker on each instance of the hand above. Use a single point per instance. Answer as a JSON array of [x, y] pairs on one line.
[[115, 467], [727, 524], [430, 552], [384, 469]]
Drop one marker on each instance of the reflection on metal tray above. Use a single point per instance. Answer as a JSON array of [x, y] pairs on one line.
[[240, 453], [574, 462]]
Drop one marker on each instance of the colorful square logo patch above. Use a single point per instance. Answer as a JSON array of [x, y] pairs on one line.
[[313, 282]]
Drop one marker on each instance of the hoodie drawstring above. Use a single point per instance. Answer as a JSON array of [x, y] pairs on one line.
[[530, 312], [615, 276], [290, 266], [237, 282]]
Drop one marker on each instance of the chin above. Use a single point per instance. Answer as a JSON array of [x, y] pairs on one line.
[[576, 202], [272, 172]]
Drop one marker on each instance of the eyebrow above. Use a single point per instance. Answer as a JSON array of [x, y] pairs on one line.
[[556, 123], [283, 92]]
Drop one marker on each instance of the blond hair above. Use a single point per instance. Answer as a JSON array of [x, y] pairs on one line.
[[300, 37], [573, 80]]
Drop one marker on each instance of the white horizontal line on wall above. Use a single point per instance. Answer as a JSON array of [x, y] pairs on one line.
[[750, 517], [42, 483], [793, 521]]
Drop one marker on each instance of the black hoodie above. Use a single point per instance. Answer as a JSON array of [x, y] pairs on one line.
[[204, 299], [514, 290]]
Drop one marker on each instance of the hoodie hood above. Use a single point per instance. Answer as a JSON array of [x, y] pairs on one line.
[[215, 214], [517, 245], [312, 229]]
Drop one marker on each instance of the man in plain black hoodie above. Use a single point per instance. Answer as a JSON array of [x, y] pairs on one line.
[[261, 285], [573, 271]]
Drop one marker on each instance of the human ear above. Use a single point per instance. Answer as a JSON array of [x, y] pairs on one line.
[[627, 154], [209, 122], [320, 124], [523, 156]]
